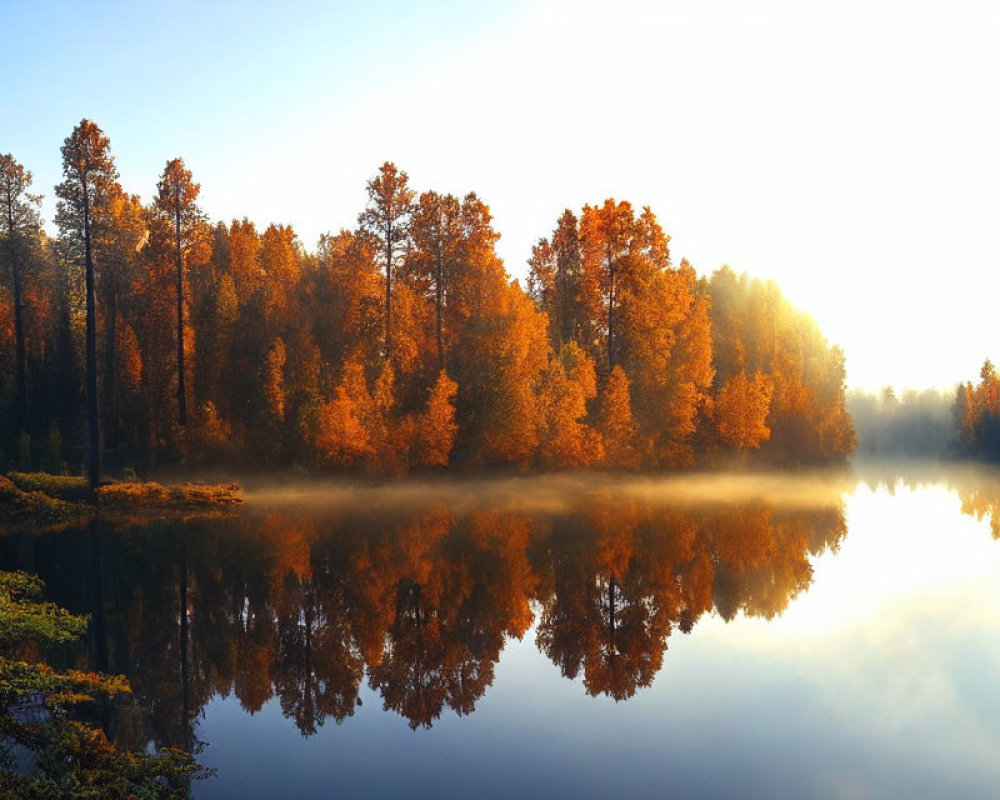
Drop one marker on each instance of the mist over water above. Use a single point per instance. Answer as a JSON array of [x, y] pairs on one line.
[[555, 493], [695, 634]]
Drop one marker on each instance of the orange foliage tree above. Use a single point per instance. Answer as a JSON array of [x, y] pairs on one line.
[[741, 411], [403, 343], [436, 427]]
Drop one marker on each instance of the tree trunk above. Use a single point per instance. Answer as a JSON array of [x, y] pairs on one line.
[[560, 303], [181, 398], [388, 292], [111, 369], [100, 623], [611, 313], [611, 616], [185, 644], [94, 464], [21, 368], [438, 291]]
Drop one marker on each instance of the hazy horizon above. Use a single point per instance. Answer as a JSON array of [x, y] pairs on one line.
[[845, 151]]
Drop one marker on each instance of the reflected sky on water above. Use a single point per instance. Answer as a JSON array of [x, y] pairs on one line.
[[823, 637]]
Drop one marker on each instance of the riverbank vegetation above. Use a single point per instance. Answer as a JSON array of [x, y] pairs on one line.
[[42, 499], [46, 751]]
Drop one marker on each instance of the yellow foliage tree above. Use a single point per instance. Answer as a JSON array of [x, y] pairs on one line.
[[567, 383], [967, 419], [389, 436], [741, 411], [616, 424]]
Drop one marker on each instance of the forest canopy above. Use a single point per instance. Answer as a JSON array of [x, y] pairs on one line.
[[145, 334]]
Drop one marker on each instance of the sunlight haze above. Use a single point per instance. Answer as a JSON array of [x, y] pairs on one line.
[[847, 150]]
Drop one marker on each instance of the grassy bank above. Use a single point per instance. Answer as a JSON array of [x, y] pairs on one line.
[[40, 498]]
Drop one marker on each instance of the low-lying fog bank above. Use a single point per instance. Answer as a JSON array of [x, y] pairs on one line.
[[556, 492]]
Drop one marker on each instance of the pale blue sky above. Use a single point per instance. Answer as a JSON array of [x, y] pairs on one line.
[[851, 150]]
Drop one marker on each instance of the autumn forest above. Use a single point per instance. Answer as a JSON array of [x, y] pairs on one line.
[[144, 334]]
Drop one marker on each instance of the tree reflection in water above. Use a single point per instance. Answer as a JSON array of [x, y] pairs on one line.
[[305, 606]]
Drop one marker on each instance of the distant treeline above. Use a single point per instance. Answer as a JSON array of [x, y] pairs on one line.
[[401, 344], [915, 425], [962, 423]]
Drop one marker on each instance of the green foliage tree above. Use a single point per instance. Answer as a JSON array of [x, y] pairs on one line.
[[70, 759]]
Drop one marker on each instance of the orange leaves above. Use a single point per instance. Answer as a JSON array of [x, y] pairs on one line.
[[435, 427], [211, 434], [498, 355], [358, 428], [348, 317], [226, 302], [343, 439], [631, 310], [176, 190], [616, 424], [404, 343], [388, 433], [756, 330], [279, 264], [977, 409], [565, 440], [968, 422], [6, 317], [129, 360], [244, 244], [988, 391], [274, 379], [741, 411]]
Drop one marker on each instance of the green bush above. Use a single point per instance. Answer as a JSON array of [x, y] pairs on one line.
[[68, 759]]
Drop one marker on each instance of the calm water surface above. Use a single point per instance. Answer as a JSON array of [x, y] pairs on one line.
[[827, 636]]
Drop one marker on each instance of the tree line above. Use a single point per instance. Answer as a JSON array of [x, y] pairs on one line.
[[143, 334], [962, 422], [911, 425]]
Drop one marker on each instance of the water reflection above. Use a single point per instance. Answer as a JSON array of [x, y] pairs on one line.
[[306, 606], [977, 486]]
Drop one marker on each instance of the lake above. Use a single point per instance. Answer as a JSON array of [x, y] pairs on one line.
[[815, 635]]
